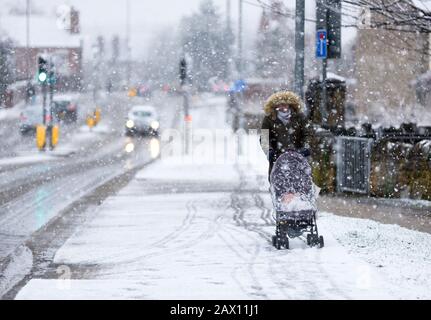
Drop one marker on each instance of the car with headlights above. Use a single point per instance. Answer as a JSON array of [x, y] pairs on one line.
[[65, 108], [142, 120]]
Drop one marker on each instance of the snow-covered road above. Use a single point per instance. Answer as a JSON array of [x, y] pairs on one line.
[[184, 230], [36, 188]]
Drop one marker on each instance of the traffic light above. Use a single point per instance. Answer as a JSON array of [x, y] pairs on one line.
[[183, 71], [51, 75], [328, 16], [42, 70], [334, 29]]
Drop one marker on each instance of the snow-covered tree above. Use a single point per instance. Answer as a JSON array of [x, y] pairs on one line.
[[207, 42], [6, 72], [275, 47], [161, 66]]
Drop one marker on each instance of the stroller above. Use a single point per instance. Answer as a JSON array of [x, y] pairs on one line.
[[294, 198]]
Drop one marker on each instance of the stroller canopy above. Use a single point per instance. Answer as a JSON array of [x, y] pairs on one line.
[[291, 174]]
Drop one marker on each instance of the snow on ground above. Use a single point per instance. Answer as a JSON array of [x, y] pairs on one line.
[[202, 231], [11, 113], [72, 139], [75, 142], [26, 159], [19, 264], [81, 140], [402, 256]]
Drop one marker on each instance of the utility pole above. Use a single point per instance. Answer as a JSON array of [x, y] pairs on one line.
[[240, 58], [228, 37], [129, 55], [27, 44], [299, 47], [228, 18]]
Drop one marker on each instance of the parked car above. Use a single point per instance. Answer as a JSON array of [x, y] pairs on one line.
[[142, 120], [30, 117], [65, 108]]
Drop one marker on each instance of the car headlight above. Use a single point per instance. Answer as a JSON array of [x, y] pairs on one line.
[[130, 124], [155, 125]]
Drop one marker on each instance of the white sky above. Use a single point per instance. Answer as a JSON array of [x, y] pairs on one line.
[[108, 17]]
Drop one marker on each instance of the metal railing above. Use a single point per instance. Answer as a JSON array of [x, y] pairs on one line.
[[353, 164]]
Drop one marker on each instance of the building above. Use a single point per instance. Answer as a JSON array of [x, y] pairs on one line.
[[56, 37], [386, 64]]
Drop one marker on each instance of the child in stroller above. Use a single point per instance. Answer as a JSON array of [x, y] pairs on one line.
[[294, 199]]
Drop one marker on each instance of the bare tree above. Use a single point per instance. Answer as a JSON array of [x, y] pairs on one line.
[[395, 15]]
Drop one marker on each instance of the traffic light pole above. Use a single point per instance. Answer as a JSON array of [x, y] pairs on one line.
[[322, 24], [186, 105], [299, 47], [44, 96], [51, 103], [46, 76], [324, 100], [328, 16]]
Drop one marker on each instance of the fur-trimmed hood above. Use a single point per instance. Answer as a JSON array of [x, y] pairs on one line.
[[282, 97]]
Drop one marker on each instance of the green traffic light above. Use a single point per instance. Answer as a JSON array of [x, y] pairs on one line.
[[42, 77]]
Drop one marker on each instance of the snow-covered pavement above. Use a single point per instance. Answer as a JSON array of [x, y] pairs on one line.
[[188, 230]]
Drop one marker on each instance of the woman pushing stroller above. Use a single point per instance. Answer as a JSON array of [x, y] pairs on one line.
[[284, 127], [285, 138]]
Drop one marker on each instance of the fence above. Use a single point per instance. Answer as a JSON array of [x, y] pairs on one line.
[[353, 164]]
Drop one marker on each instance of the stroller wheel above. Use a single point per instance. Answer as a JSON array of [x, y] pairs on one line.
[[308, 239], [286, 243], [313, 240], [277, 244], [321, 242]]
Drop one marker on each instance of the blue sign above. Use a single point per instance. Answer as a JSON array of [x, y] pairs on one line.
[[238, 86], [321, 44]]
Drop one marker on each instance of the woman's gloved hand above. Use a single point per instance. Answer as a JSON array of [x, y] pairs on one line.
[[305, 152]]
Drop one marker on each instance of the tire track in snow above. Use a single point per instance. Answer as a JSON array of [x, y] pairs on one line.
[[250, 261], [265, 235], [238, 217], [185, 226], [131, 257]]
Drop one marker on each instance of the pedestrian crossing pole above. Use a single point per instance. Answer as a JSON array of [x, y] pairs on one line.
[[42, 76], [51, 102], [328, 16], [47, 130], [324, 100], [322, 52], [186, 107]]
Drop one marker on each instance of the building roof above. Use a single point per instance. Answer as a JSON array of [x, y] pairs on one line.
[[44, 31]]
